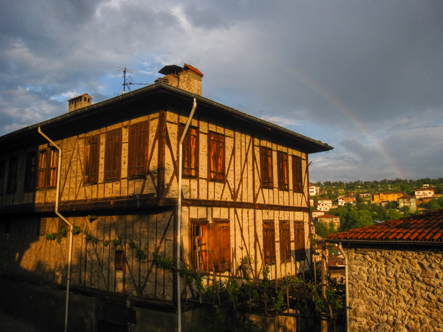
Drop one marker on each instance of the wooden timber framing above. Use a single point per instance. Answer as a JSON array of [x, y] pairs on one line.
[[124, 202]]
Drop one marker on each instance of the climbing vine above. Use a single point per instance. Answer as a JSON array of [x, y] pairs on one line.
[[89, 237]]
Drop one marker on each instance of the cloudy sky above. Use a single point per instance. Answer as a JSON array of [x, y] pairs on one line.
[[363, 76]]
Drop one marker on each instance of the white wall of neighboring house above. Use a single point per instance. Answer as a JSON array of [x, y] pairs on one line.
[[424, 193], [314, 190]]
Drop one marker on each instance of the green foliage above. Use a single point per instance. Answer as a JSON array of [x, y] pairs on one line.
[[51, 236], [118, 241], [76, 230], [140, 254]]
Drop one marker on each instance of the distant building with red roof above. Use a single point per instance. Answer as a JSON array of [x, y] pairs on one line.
[[395, 274]]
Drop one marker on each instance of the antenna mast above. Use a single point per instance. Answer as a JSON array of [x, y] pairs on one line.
[[129, 80]]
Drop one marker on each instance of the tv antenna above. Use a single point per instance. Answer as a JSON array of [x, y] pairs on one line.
[[128, 80]]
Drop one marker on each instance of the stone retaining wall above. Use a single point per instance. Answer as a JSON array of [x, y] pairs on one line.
[[396, 289]]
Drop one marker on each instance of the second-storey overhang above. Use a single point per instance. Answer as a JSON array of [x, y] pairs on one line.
[[152, 98]]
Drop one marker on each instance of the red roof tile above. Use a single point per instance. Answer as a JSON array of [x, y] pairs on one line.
[[186, 66], [421, 228]]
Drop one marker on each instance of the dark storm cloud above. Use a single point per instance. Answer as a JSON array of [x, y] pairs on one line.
[[360, 75]]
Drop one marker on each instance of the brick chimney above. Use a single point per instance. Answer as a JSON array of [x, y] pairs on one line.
[[79, 102], [187, 78]]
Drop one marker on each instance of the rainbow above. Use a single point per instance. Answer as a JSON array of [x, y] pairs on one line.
[[348, 113]]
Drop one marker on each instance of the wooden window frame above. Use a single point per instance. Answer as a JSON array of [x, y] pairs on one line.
[[266, 167], [137, 149], [283, 172], [30, 171], [47, 168], [285, 241], [199, 237], [190, 151], [12, 175], [216, 156], [113, 153], [92, 159], [269, 242], [297, 173], [299, 240]]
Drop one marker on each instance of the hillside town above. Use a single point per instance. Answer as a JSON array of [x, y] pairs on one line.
[[381, 205]]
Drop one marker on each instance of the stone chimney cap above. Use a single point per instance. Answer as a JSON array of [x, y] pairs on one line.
[[174, 69]]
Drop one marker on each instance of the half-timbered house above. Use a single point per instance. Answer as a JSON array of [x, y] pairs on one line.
[[115, 165]]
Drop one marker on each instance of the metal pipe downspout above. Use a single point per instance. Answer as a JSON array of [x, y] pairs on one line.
[[179, 212], [57, 197], [347, 287]]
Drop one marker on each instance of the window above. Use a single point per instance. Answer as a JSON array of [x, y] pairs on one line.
[[299, 240], [113, 147], [47, 168], [138, 149], [282, 161], [216, 156], [285, 242], [119, 260], [199, 244], [297, 174], [269, 241], [211, 245], [266, 167], [92, 151], [12, 175], [190, 151], [30, 171], [2, 175]]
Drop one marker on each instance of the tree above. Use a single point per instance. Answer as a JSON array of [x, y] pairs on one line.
[[321, 229]]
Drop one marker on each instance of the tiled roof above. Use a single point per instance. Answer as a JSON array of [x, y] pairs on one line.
[[327, 216], [423, 228]]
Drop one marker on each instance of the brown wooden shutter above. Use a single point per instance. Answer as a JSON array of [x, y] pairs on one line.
[[113, 155], [221, 157], [92, 145], [190, 151], [42, 169], [225, 247], [269, 242], [53, 164], [94, 158], [297, 173], [266, 167], [137, 148], [285, 241], [282, 161], [217, 156]]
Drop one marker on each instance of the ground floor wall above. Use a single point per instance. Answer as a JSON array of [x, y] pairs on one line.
[[395, 289], [116, 253], [42, 307]]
